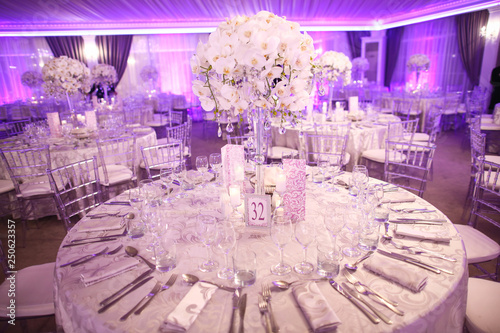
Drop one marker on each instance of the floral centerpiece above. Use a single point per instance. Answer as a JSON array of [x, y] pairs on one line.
[[334, 65], [32, 79], [65, 76], [149, 73], [262, 61], [418, 63], [103, 74], [360, 64]]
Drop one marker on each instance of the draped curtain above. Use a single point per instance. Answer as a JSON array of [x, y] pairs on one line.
[[114, 51], [70, 46], [470, 44], [393, 42], [436, 39], [354, 38]]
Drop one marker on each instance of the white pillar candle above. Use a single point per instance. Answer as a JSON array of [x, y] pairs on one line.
[[234, 195], [239, 173], [281, 183]]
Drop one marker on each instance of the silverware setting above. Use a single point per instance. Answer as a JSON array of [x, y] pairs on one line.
[[89, 257], [136, 286], [266, 295], [420, 251], [265, 312], [415, 262], [357, 295], [101, 215], [166, 286], [236, 300], [354, 301], [242, 305], [412, 210], [127, 286], [124, 233], [93, 241]]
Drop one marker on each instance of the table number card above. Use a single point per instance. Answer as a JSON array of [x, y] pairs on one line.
[[295, 196], [54, 124], [233, 163], [353, 104], [91, 119], [258, 210]]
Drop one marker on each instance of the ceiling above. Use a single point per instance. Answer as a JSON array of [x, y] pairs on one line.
[[70, 17]]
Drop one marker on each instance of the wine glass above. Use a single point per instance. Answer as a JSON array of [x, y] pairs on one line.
[[352, 223], [334, 223], [136, 198], [206, 228], [305, 234], [334, 164], [180, 176], [202, 166], [226, 243], [323, 168], [215, 160], [281, 234], [360, 177], [167, 180]]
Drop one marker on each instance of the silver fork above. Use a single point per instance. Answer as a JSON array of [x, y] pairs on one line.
[[266, 294], [89, 256], [264, 311], [166, 286]]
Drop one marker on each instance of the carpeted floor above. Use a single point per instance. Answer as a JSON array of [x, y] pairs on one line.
[[447, 191]]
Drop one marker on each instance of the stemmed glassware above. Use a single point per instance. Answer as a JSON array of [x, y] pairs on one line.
[[360, 178], [305, 234], [202, 166], [226, 243], [333, 168], [167, 179], [215, 160], [180, 176], [281, 234], [206, 228], [334, 223], [352, 223], [323, 168]]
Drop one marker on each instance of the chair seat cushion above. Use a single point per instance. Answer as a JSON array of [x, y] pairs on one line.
[[6, 185], [492, 158], [421, 137], [449, 112], [116, 174], [38, 186], [478, 247], [483, 302], [164, 141], [34, 292], [376, 155]]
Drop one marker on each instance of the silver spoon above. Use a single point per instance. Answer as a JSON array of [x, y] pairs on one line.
[[132, 252], [285, 285], [192, 279], [386, 237], [354, 266]]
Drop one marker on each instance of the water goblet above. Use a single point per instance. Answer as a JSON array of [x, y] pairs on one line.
[[305, 234], [352, 224], [167, 179], [334, 165], [206, 228], [180, 175], [226, 243], [281, 234], [202, 166], [215, 160], [334, 223]]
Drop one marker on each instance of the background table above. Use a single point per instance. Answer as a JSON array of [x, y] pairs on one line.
[[440, 307]]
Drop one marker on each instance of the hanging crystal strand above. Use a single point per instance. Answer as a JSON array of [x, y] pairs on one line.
[[229, 127], [267, 122], [282, 128], [219, 131], [321, 89]]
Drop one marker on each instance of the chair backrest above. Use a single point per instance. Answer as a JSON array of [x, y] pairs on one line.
[[325, 144], [402, 108], [27, 166], [402, 130], [486, 197], [81, 192], [116, 151], [334, 129], [14, 128], [452, 101], [407, 165], [177, 133], [169, 155], [433, 126], [477, 151]]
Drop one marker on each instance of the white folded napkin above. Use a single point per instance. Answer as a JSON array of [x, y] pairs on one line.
[[107, 269], [101, 224], [188, 309], [398, 197], [316, 309], [439, 234], [394, 270]]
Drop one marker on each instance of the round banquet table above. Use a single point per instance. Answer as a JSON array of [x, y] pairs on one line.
[[63, 153], [439, 307], [363, 136]]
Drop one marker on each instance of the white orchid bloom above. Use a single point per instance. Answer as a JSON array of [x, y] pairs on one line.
[[225, 66]]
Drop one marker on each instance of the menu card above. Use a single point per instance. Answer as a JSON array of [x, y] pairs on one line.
[[54, 124]]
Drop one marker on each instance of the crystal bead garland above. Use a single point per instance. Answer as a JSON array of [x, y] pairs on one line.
[[258, 126]]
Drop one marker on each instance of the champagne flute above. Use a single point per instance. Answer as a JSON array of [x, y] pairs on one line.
[[215, 160], [167, 180], [202, 166], [226, 243], [206, 228], [334, 167], [334, 223], [305, 234], [281, 234]]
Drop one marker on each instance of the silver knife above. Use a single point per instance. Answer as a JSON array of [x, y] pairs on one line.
[[416, 222], [236, 298], [354, 301], [432, 253], [242, 305], [357, 295], [136, 280], [417, 219], [95, 241], [124, 203], [150, 295], [415, 262], [138, 285]]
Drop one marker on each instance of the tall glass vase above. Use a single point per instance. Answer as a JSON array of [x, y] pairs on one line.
[[72, 111], [260, 147]]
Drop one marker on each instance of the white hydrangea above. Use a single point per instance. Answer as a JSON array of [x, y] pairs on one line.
[[334, 64], [64, 75], [104, 74], [360, 64], [263, 60], [31, 79], [418, 62]]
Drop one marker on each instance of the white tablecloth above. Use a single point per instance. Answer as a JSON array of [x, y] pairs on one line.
[[440, 307]]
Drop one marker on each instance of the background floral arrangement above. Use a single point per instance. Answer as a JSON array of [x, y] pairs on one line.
[[64, 75], [104, 74], [32, 79], [418, 62], [263, 60], [360, 64], [334, 64], [149, 72]]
